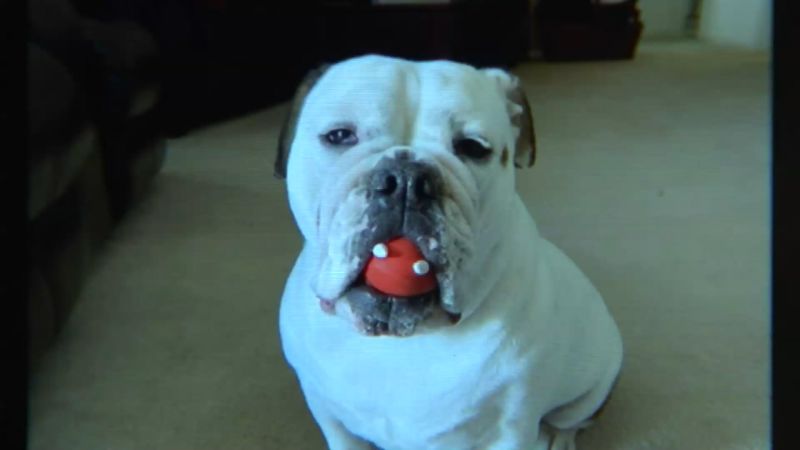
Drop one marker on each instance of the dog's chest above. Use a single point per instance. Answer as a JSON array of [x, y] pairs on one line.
[[426, 392]]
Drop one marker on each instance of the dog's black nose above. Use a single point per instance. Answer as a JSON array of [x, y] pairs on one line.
[[405, 182], [402, 196]]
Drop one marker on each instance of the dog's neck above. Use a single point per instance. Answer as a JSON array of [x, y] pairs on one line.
[[479, 286]]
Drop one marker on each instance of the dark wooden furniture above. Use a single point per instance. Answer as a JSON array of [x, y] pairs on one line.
[[224, 58], [573, 30], [477, 32]]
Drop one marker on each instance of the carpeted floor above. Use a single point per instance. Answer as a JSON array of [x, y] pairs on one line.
[[652, 175]]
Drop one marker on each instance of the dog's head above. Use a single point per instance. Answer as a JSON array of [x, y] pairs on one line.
[[377, 147]]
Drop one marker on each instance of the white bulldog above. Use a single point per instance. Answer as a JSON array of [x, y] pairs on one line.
[[515, 349]]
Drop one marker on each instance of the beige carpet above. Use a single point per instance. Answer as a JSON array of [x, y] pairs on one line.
[[652, 174]]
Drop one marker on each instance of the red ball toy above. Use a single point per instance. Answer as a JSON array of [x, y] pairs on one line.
[[397, 268]]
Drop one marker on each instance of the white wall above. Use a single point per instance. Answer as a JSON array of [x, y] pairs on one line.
[[746, 23]]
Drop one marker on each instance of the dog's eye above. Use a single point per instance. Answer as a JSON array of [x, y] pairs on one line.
[[471, 148], [341, 137]]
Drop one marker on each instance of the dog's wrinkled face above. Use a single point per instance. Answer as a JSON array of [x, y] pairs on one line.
[[383, 148]]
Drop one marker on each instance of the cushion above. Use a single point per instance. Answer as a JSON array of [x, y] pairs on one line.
[[59, 135]]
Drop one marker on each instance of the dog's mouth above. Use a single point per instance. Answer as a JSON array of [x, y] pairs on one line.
[[376, 312]]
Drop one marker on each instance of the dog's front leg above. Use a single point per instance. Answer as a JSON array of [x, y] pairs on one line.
[[532, 435], [550, 438], [336, 435]]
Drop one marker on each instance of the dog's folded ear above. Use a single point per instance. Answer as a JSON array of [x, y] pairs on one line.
[[520, 113], [290, 122], [525, 151]]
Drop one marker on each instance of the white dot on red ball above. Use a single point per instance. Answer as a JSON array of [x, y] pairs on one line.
[[421, 267], [380, 251]]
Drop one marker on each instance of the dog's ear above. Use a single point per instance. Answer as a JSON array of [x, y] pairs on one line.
[[520, 113], [525, 152], [290, 122]]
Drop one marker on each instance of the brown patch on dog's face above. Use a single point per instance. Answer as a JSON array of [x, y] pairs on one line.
[[504, 157], [290, 123], [525, 154]]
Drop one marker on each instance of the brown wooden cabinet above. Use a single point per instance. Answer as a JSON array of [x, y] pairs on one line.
[[572, 30]]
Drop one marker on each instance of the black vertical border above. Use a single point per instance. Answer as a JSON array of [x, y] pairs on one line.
[[13, 224], [785, 226]]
